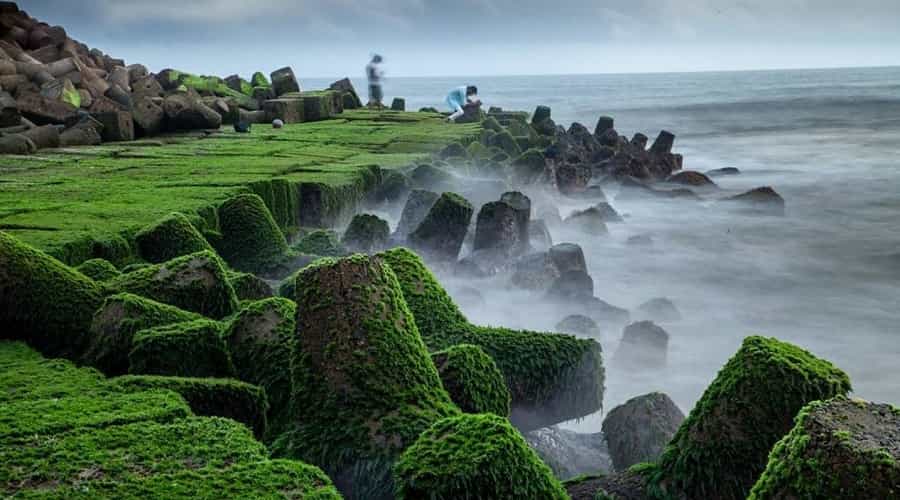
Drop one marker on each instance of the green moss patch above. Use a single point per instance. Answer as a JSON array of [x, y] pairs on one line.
[[124, 453], [21, 419], [551, 377], [837, 449], [115, 323], [262, 342], [209, 397], [366, 233], [251, 240], [98, 269], [44, 302], [192, 349], [196, 282], [365, 386], [321, 242], [722, 447], [171, 237], [47, 379], [472, 379], [474, 456]]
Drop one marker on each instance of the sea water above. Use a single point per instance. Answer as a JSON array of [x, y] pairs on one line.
[[826, 276]]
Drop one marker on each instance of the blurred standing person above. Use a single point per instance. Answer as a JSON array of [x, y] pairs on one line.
[[461, 97], [375, 75]]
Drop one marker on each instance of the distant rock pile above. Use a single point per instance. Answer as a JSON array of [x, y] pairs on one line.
[[57, 92]]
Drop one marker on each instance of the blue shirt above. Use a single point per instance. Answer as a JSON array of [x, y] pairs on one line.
[[457, 98]]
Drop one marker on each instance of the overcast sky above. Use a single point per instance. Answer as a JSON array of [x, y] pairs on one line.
[[330, 38]]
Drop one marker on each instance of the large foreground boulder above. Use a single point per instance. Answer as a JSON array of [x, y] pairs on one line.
[[117, 321], [441, 233], [472, 379], [196, 282], [474, 456], [723, 446], [840, 448], [638, 430], [551, 377], [251, 240], [43, 301], [365, 387]]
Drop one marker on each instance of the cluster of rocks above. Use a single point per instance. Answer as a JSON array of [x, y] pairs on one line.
[[57, 92]]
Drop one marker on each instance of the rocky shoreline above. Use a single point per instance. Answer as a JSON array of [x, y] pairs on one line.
[[275, 338]]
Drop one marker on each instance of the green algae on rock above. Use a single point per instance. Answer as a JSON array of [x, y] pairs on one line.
[[474, 456], [196, 282], [171, 237], [261, 339], [251, 240], [840, 448], [721, 449], [43, 301], [117, 321], [551, 377], [366, 233], [365, 387], [249, 287], [321, 242], [192, 349], [443, 230], [98, 269], [472, 379], [208, 397]]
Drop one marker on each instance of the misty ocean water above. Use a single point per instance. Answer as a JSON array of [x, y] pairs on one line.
[[826, 276]]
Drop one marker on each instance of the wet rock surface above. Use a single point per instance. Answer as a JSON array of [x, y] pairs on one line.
[[638, 430]]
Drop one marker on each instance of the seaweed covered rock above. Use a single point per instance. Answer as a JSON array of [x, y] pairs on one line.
[[644, 344], [261, 340], [840, 448], [474, 456], [722, 447], [638, 430], [418, 204], [441, 233], [173, 236], [551, 377], [98, 269], [248, 286], [209, 397], [197, 282], [117, 321], [192, 349], [320, 242], [365, 387], [43, 301], [472, 379], [394, 186], [251, 240], [366, 233]]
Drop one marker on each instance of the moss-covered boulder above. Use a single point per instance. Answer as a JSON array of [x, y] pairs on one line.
[[551, 377], [441, 233], [394, 186], [197, 282], [192, 349], [472, 379], [248, 286], [722, 447], [474, 456], [115, 323], [169, 238], [251, 240], [262, 343], [366, 233], [529, 166], [43, 301], [98, 269], [208, 397], [505, 141], [321, 242], [365, 387], [840, 448]]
